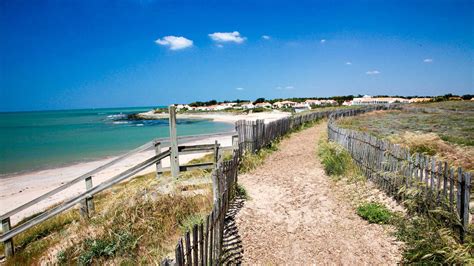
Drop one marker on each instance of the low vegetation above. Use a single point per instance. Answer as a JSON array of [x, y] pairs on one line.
[[431, 236], [251, 161], [439, 130], [132, 224], [374, 212]]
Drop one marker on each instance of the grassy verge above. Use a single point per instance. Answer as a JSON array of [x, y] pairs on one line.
[[132, 223], [429, 237], [439, 131]]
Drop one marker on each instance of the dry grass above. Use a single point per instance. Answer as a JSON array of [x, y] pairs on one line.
[[432, 144], [448, 135], [133, 223]]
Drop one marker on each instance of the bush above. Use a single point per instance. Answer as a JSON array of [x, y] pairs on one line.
[[335, 159], [241, 192], [374, 213]]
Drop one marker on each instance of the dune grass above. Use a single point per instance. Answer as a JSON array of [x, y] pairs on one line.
[[132, 223], [428, 234], [449, 135]]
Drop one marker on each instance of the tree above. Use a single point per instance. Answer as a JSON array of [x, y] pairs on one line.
[[259, 100]]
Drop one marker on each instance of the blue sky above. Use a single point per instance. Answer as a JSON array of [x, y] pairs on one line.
[[81, 54]]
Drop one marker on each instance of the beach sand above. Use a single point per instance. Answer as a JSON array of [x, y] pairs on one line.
[[225, 117], [19, 189]]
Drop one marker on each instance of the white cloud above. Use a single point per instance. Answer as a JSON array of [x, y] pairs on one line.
[[239, 89], [219, 45], [227, 37], [428, 60], [372, 72], [175, 43], [266, 37], [348, 63], [322, 41], [285, 88]]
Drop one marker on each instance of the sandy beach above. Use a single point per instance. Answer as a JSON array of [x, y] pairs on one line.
[[19, 189], [225, 117]]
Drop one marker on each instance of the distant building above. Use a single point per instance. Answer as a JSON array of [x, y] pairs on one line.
[[419, 100], [284, 104], [301, 107], [313, 102], [368, 100], [347, 103], [328, 102], [247, 106], [263, 105], [180, 107]]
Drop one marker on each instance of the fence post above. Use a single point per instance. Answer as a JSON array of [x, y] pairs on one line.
[[235, 142], [464, 203], [159, 170], [89, 200], [8, 244], [215, 180], [174, 157], [261, 133]]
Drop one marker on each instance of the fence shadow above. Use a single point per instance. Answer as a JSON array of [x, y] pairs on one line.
[[232, 249]]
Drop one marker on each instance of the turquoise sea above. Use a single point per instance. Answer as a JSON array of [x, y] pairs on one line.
[[46, 139]]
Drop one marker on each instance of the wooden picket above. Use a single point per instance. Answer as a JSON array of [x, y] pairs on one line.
[[393, 168]]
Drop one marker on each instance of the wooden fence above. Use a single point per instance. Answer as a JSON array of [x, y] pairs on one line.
[[253, 135], [393, 168], [202, 245], [85, 199]]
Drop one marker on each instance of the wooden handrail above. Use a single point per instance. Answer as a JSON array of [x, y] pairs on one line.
[[71, 202], [146, 146]]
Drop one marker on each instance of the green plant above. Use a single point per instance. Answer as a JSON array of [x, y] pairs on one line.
[[241, 191], [61, 257], [335, 159], [188, 223], [251, 161], [374, 213]]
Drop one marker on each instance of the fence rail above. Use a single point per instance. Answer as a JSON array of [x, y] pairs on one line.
[[393, 167], [86, 198]]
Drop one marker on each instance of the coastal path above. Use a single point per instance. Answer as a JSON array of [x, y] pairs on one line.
[[294, 216]]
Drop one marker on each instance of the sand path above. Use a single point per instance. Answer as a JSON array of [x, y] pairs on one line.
[[294, 216]]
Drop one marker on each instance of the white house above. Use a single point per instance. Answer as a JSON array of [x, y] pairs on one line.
[[301, 107], [368, 100], [247, 106], [264, 105], [313, 102], [283, 104]]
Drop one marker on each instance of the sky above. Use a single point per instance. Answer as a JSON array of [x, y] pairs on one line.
[[65, 54]]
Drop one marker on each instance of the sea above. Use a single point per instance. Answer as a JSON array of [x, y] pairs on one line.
[[47, 139]]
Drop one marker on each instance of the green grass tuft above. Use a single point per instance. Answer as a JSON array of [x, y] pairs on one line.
[[374, 213], [335, 159]]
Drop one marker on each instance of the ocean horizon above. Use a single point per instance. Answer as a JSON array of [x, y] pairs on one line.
[[37, 140]]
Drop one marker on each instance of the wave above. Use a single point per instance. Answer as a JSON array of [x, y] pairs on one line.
[[117, 116]]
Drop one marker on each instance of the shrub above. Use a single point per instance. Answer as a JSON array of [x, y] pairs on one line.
[[335, 159], [374, 213], [241, 192]]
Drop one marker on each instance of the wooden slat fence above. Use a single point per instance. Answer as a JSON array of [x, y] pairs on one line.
[[202, 245], [395, 169]]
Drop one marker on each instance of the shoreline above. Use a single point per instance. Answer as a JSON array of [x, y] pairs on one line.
[[19, 188], [224, 117]]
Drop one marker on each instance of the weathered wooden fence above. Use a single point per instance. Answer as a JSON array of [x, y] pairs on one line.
[[253, 135], [395, 168], [202, 245], [85, 199]]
